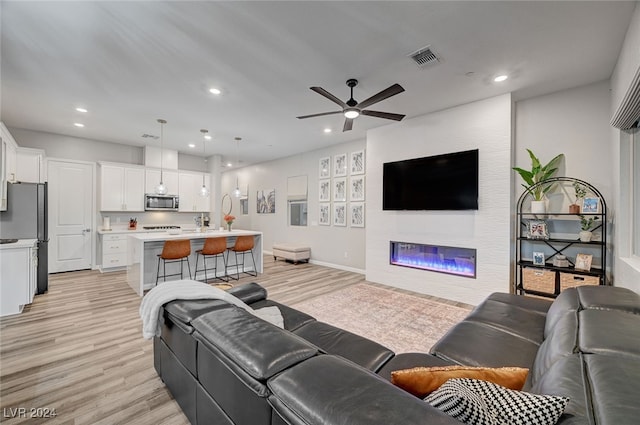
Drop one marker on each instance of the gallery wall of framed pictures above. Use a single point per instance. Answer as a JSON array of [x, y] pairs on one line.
[[341, 189]]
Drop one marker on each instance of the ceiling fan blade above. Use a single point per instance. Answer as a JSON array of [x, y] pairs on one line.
[[329, 96], [387, 115], [348, 124], [384, 94], [319, 115]]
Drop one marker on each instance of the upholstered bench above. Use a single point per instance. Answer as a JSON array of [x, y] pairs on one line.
[[293, 252]]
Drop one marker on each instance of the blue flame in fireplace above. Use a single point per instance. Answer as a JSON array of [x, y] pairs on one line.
[[457, 261]]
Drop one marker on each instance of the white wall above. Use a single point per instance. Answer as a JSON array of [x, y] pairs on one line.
[[574, 122], [341, 247], [627, 271], [483, 125], [76, 148]]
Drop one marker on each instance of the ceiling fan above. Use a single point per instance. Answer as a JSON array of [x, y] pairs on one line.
[[352, 109]]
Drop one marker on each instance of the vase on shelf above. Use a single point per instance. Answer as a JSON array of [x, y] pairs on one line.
[[538, 207], [574, 209], [585, 236]]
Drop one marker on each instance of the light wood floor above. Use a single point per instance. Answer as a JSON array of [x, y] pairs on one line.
[[79, 349]]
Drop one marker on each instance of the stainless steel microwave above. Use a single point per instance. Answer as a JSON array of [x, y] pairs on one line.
[[153, 202]]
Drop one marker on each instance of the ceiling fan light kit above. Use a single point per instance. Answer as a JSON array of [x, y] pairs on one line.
[[351, 109]]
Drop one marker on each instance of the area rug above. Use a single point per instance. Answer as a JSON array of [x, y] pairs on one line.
[[401, 322]]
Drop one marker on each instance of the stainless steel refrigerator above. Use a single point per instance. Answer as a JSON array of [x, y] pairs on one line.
[[26, 218]]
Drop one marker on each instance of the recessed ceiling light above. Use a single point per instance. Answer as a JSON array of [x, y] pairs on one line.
[[191, 145], [500, 78], [208, 137], [229, 164], [77, 124], [81, 110], [214, 90], [327, 130]]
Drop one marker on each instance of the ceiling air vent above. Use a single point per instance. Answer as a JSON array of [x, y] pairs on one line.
[[149, 136], [424, 56]]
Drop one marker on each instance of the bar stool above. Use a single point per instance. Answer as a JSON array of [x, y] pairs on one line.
[[243, 245], [174, 251], [213, 247]]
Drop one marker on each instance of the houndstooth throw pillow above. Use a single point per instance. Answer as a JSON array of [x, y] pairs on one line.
[[477, 402]]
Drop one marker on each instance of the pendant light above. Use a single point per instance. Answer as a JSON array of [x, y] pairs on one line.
[[236, 191], [204, 191], [161, 189]]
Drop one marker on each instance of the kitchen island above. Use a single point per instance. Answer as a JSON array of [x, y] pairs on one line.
[[143, 250]]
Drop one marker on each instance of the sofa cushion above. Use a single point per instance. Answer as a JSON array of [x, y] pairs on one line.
[[478, 402], [421, 381], [333, 340], [331, 390], [566, 303], [537, 305], [511, 318], [610, 332], [258, 347], [478, 344], [609, 297]]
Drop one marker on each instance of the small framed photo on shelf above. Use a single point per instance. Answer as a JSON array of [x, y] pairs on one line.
[[583, 262], [590, 205], [538, 258], [537, 229]]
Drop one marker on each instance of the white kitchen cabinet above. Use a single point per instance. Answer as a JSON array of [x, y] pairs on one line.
[[18, 275], [160, 158], [114, 251], [189, 191], [169, 178], [121, 188], [7, 164], [30, 165]]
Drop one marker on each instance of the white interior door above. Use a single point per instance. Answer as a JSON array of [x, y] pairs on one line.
[[70, 215]]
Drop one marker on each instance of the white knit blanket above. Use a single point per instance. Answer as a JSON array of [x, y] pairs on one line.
[[192, 290]]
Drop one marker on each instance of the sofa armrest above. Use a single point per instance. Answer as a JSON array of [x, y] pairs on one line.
[[249, 293], [341, 392]]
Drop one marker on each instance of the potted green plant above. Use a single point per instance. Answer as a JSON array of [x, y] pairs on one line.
[[580, 191], [538, 174], [586, 224]]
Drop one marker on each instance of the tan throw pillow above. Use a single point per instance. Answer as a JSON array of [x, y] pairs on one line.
[[421, 381]]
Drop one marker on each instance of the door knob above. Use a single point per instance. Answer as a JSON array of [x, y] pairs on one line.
[[86, 230]]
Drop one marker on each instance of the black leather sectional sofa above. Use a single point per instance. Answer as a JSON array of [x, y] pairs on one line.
[[226, 366]]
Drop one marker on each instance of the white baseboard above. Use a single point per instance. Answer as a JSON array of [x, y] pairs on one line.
[[333, 266]]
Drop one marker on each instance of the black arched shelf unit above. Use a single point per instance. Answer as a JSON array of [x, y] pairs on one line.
[[550, 255]]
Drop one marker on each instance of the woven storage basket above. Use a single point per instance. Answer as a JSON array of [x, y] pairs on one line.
[[539, 280], [569, 280]]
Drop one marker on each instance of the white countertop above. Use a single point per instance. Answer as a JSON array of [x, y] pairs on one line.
[[187, 234], [22, 243], [119, 229]]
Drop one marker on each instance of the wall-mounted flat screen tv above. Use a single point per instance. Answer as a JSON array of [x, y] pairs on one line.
[[440, 182]]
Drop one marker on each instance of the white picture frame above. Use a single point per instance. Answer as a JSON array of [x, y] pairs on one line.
[[340, 165], [324, 190], [356, 214], [340, 190], [357, 162], [324, 167], [590, 205], [356, 188], [324, 214], [340, 214], [538, 258]]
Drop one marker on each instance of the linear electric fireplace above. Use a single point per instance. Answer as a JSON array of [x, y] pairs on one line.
[[443, 259]]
